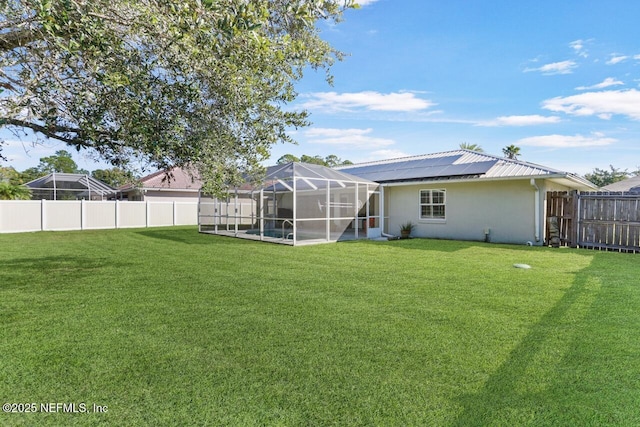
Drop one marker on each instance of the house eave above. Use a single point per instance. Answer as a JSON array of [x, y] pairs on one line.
[[563, 179]]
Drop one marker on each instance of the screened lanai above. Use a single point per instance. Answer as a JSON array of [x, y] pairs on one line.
[[69, 186], [297, 203]]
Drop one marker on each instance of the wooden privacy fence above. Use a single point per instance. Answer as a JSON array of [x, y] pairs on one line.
[[597, 220]]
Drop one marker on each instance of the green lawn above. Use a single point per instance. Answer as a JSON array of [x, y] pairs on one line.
[[171, 327]]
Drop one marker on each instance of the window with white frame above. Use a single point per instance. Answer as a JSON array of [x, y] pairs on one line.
[[432, 204]]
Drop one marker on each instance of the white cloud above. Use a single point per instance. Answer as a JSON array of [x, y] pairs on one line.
[[603, 104], [563, 67], [25, 154], [346, 137], [386, 154], [567, 141], [609, 81], [531, 120], [365, 2], [368, 100], [578, 47], [615, 59]]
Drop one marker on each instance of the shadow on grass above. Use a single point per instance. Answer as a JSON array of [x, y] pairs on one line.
[[568, 369], [61, 268], [422, 244], [444, 245], [189, 236]]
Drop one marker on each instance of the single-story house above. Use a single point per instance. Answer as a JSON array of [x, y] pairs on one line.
[[461, 195], [466, 195], [179, 185], [631, 185], [69, 186]]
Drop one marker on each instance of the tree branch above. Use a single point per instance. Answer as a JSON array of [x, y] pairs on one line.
[[16, 38], [51, 131]]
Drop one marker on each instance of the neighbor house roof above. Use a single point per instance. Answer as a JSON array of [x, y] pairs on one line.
[[459, 165], [630, 184], [173, 179]]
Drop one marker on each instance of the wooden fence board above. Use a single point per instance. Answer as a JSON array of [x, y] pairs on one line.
[[599, 220]]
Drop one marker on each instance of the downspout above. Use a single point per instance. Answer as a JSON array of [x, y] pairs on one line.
[[536, 204]]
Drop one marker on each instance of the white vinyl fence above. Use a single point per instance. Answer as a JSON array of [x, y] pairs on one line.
[[17, 216]]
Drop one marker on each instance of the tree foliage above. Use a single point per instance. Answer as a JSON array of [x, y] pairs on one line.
[[471, 147], [10, 185], [602, 177], [199, 82], [287, 158], [511, 152], [314, 160], [115, 177], [61, 162], [10, 191], [30, 174], [331, 160], [10, 175]]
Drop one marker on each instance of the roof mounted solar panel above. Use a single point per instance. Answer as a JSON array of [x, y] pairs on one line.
[[411, 170]]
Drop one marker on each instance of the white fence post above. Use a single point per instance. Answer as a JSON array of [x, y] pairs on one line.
[[42, 214], [82, 213], [175, 214]]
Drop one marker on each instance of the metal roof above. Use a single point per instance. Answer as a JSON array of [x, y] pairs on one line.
[[458, 164]]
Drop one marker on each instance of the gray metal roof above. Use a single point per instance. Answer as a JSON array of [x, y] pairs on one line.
[[458, 164]]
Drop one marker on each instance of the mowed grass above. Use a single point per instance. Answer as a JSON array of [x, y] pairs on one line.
[[171, 327]]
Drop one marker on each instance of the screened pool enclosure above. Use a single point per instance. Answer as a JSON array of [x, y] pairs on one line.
[[297, 203]]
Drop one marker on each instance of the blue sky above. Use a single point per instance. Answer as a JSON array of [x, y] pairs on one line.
[[561, 80]]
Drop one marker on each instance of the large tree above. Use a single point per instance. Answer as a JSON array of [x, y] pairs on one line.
[[602, 177], [198, 82], [61, 162]]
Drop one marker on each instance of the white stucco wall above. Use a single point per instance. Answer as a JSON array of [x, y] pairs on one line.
[[506, 208]]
